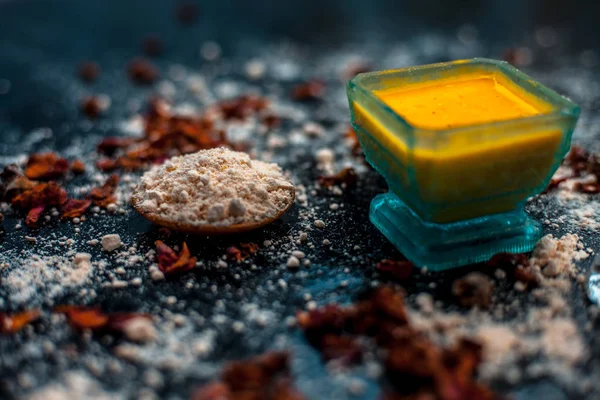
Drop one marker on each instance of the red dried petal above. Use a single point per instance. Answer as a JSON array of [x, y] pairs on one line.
[[346, 176], [106, 165], [416, 367], [341, 348], [170, 262], [43, 166], [77, 167], [152, 46], [234, 254], [474, 289], [166, 135], [13, 323], [92, 106], [397, 269], [187, 13], [142, 71], [242, 107], [508, 261], [250, 247], [311, 90], [84, 317], [89, 71], [37, 198], [109, 145], [118, 321], [73, 208], [590, 188], [212, 391], [271, 121], [34, 215], [104, 195], [256, 373]]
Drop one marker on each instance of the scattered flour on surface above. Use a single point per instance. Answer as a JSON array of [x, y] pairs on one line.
[[48, 275], [74, 385]]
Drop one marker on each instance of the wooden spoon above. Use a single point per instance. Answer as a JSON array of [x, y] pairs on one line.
[[208, 229]]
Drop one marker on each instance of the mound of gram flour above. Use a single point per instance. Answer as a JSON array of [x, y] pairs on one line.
[[217, 187]]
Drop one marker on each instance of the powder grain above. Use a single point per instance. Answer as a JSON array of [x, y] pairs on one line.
[[216, 187]]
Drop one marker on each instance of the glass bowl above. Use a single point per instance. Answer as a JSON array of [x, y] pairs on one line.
[[457, 194]]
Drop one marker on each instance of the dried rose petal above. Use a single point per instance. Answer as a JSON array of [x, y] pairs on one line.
[[242, 107], [142, 71], [250, 247], [77, 167], [187, 13], [13, 323], [265, 377], [166, 134], [346, 176], [170, 262], [256, 374], [92, 106], [474, 289], [341, 348], [416, 367], [271, 121], [104, 195], [84, 317], [118, 321], [234, 254], [109, 145], [33, 216], [152, 46], [47, 194], [516, 268], [397, 269], [106, 165], [508, 260], [590, 188], [73, 208], [311, 90], [212, 391], [37, 198], [44, 166], [89, 71], [95, 319], [527, 277]]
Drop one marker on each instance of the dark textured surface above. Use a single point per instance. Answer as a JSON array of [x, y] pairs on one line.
[[41, 44]]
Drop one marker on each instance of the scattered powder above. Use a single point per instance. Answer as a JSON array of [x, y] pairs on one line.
[[217, 187], [319, 223], [140, 329], [111, 242], [74, 385], [555, 257], [293, 262], [48, 274], [544, 331]]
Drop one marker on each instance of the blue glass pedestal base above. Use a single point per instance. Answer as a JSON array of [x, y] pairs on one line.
[[443, 246]]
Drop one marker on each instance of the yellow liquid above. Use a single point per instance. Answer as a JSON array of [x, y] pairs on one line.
[[460, 169], [459, 102]]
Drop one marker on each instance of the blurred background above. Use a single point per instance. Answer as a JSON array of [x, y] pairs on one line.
[[63, 27], [37, 36]]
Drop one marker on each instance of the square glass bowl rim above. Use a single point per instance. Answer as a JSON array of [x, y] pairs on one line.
[[562, 108]]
